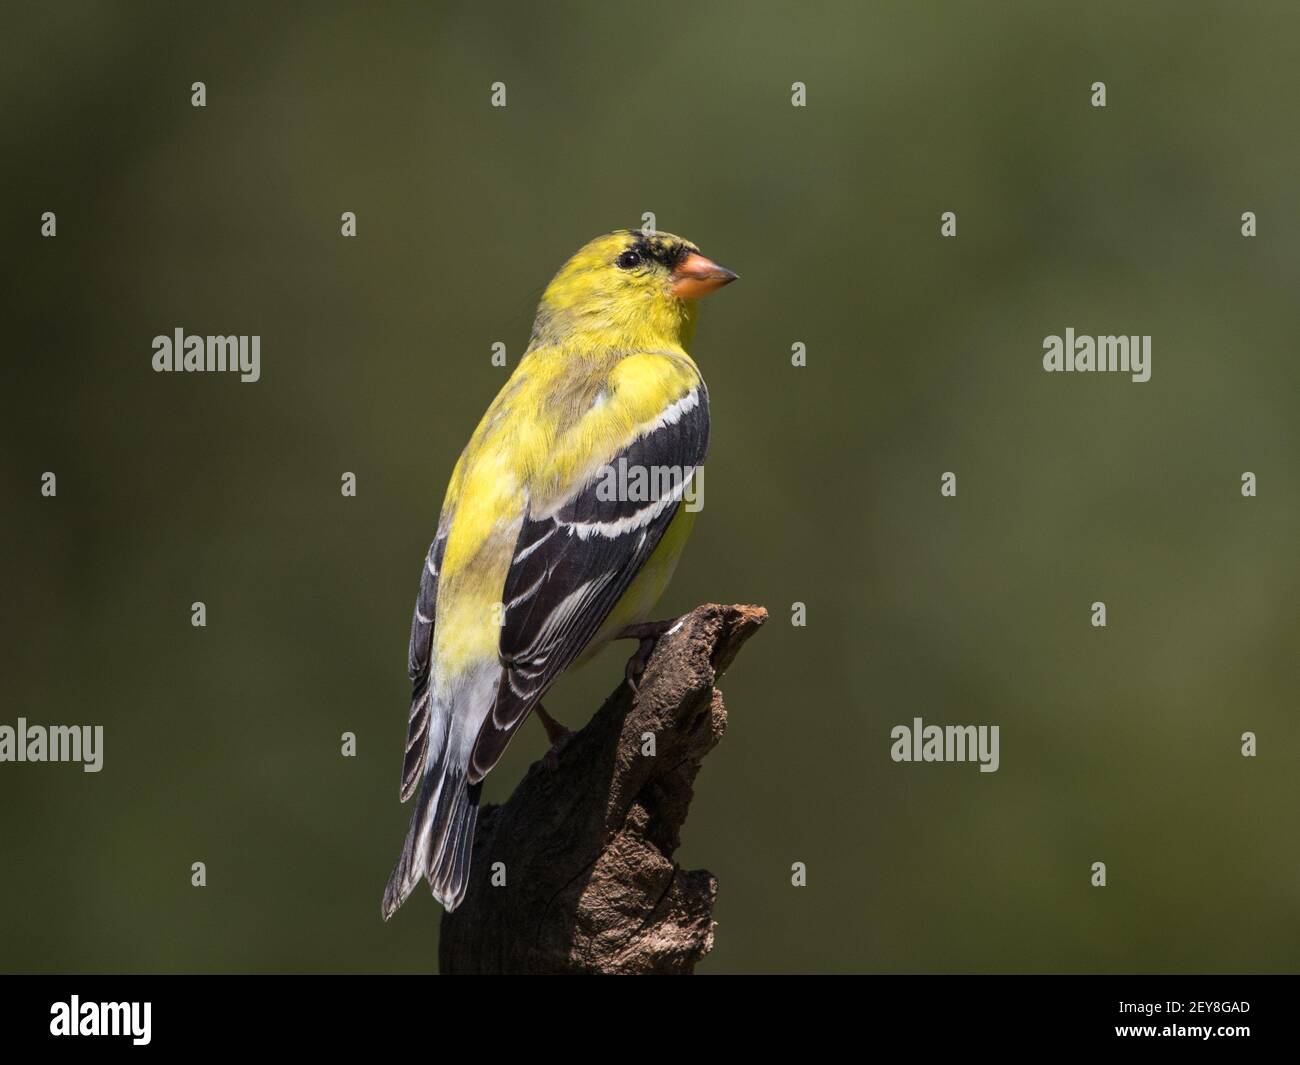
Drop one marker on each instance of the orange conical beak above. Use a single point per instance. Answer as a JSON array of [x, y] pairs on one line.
[[696, 276]]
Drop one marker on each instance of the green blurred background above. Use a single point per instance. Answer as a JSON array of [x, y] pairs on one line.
[[222, 744]]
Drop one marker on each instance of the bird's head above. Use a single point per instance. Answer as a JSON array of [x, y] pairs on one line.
[[630, 291]]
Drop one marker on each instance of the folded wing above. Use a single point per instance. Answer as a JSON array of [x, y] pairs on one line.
[[573, 562]]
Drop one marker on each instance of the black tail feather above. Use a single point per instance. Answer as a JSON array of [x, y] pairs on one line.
[[438, 843]]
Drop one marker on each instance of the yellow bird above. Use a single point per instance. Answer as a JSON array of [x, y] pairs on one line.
[[539, 557]]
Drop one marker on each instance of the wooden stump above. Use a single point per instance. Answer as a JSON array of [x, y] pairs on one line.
[[586, 847]]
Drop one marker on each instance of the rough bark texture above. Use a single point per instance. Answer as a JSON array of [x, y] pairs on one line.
[[587, 846]]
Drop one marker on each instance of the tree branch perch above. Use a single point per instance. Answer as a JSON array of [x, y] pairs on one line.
[[587, 847]]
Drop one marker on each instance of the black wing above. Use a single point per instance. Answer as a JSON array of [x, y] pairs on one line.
[[572, 566], [417, 666]]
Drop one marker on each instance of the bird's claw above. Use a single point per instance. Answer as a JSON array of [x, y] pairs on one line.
[[557, 734], [551, 759], [637, 662], [648, 632]]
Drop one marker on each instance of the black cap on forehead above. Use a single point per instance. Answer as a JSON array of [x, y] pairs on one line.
[[656, 248]]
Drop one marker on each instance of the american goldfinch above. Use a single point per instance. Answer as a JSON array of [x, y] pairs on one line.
[[534, 564]]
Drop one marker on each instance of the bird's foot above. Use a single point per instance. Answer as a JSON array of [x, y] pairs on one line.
[[557, 734], [648, 633]]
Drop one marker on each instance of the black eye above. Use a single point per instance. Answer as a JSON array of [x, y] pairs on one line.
[[628, 260]]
